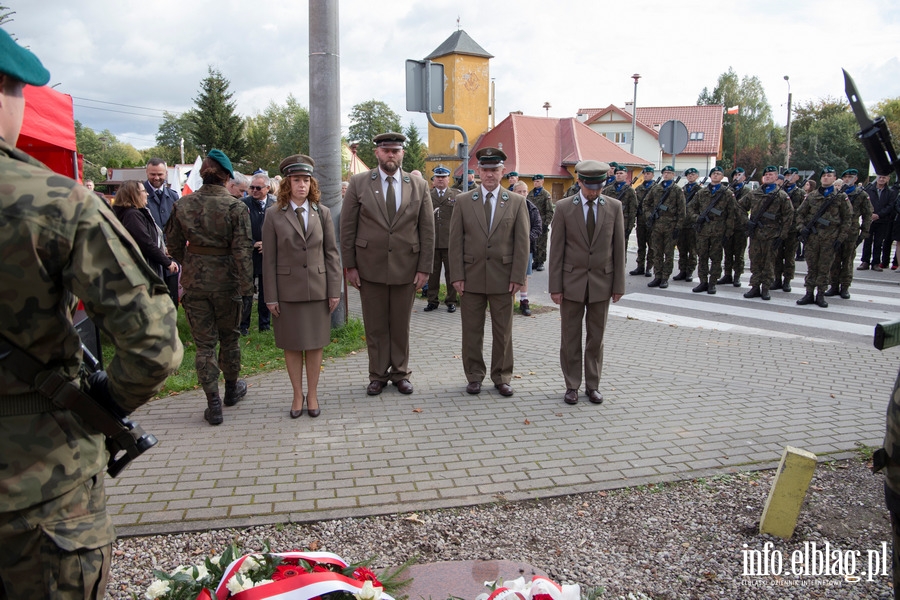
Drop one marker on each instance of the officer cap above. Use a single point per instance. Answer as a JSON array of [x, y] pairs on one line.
[[441, 171], [691, 171], [390, 139], [490, 157], [297, 164], [792, 171], [717, 169], [649, 169], [619, 168], [592, 173], [21, 63], [668, 168], [538, 176], [224, 161], [513, 174], [827, 170], [853, 172], [770, 169]]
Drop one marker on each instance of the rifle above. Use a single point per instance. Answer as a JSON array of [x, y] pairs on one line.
[[810, 227], [655, 214], [640, 208], [691, 197], [711, 208], [747, 180], [753, 223], [624, 189]]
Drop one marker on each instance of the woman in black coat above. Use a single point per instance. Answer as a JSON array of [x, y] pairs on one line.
[[130, 205]]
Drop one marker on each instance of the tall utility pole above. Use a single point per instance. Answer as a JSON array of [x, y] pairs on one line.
[[324, 114], [787, 147], [634, 110]]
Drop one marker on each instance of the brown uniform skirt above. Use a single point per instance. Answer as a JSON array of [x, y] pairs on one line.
[[302, 325]]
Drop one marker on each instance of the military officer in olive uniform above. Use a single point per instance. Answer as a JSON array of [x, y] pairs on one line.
[[771, 217], [622, 191], [736, 246], [842, 267], [785, 258], [664, 210], [823, 234], [712, 215], [687, 237], [210, 235], [489, 249], [58, 240], [541, 198], [443, 199], [644, 252]]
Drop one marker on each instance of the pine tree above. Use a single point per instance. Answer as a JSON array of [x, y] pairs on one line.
[[214, 120], [368, 119], [414, 157]]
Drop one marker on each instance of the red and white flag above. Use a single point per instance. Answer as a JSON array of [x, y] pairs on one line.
[[733, 110], [194, 181]]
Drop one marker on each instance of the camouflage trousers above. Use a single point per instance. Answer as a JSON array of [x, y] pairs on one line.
[[709, 254], [734, 253], [819, 256], [540, 248], [842, 266], [662, 249], [785, 257], [644, 252], [214, 318], [687, 249], [58, 549], [762, 261]]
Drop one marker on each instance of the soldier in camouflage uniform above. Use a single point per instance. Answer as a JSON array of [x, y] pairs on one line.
[[712, 215], [217, 270], [643, 234], [786, 257], [887, 458], [842, 267], [771, 218], [58, 240], [669, 217], [687, 237], [541, 198], [737, 245], [622, 191], [825, 236]]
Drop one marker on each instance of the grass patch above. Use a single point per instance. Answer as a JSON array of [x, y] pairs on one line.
[[258, 351]]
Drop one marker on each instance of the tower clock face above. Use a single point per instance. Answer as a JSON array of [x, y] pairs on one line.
[[472, 82]]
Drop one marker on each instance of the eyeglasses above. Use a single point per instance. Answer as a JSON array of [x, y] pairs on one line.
[[257, 187]]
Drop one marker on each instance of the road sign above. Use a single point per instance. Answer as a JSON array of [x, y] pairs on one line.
[[673, 137], [417, 97]]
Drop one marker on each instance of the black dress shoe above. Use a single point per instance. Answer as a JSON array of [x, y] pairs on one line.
[[504, 388], [474, 387], [431, 306], [245, 332], [404, 386], [375, 387], [263, 328], [571, 396], [451, 308], [595, 396]]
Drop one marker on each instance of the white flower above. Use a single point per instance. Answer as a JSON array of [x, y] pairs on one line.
[[215, 559], [156, 589], [239, 584], [251, 563], [262, 582], [200, 572], [182, 569], [368, 592]]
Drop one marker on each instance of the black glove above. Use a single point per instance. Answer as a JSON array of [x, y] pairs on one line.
[[98, 389], [837, 245], [804, 235]]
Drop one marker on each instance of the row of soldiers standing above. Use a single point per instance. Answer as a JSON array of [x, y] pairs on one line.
[[712, 222]]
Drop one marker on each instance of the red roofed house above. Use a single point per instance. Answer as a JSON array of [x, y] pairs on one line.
[[704, 125], [551, 147]]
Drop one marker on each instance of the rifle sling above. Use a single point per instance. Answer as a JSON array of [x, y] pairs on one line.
[[828, 202]]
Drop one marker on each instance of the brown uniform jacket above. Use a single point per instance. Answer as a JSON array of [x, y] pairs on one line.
[[489, 261], [298, 268], [443, 209], [383, 252], [579, 265]]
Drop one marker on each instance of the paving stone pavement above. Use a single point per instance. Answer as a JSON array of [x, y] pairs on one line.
[[679, 403]]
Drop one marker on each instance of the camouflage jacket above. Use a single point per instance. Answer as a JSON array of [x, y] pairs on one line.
[[541, 198], [721, 218], [625, 194], [839, 216], [862, 210], [889, 458], [692, 191], [640, 193], [795, 193], [59, 242], [740, 195], [776, 221], [671, 213], [213, 220]]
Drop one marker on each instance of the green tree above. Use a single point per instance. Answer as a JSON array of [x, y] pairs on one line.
[[6, 17], [104, 150], [367, 120], [172, 130], [277, 132], [414, 157], [823, 133], [748, 133], [214, 121], [889, 108]]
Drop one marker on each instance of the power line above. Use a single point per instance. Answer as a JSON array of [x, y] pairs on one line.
[[125, 105], [124, 112]]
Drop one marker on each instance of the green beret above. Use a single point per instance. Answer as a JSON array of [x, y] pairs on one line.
[[648, 170], [853, 172], [513, 174], [691, 171], [592, 173], [668, 169], [770, 169], [613, 164], [717, 169], [827, 170], [620, 168], [792, 171], [224, 161], [470, 172], [538, 176], [20, 63], [390, 139], [297, 164], [737, 170]]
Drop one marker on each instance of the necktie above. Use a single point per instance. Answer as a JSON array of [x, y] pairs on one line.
[[391, 200], [300, 210], [487, 209], [591, 223], [440, 193]]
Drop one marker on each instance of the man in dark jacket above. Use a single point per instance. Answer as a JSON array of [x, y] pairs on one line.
[[160, 200], [258, 202], [879, 239]]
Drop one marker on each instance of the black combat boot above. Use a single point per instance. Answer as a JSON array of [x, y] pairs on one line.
[[638, 271], [213, 413], [689, 276], [712, 287], [726, 278], [807, 299], [737, 281], [702, 286], [235, 391], [655, 282], [832, 291], [680, 277], [820, 299], [523, 306], [776, 285], [663, 284], [786, 286], [753, 292], [845, 292], [764, 292]]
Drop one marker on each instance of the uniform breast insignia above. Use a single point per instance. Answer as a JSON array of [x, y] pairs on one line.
[[406, 179], [475, 196]]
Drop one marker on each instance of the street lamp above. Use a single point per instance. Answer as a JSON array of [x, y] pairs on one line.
[[634, 110], [547, 108], [787, 148]]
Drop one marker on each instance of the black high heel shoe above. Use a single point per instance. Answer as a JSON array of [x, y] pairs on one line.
[[295, 414], [313, 412]]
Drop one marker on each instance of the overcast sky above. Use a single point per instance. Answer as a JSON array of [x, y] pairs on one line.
[[572, 54]]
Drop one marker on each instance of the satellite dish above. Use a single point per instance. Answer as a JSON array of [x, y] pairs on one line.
[[103, 171]]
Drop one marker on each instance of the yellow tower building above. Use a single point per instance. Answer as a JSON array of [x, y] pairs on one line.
[[467, 84]]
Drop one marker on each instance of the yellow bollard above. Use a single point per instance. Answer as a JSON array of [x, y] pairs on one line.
[[786, 496]]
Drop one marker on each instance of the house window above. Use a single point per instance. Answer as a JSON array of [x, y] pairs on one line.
[[621, 138], [696, 136]]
